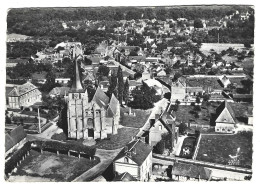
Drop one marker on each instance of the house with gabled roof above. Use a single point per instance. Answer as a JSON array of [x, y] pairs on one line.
[[94, 119], [14, 139], [21, 96], [136, 159], [226, 120], [224, 81]]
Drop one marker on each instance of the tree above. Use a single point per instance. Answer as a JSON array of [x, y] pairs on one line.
[[120, 84], [182, 128], [112, 85], [159, 147], [126, 92], [198, 23], [144, 97]]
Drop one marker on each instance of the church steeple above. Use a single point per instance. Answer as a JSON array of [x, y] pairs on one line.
[[76, 83]]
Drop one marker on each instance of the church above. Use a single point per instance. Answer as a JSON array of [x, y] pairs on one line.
[[90, 120]]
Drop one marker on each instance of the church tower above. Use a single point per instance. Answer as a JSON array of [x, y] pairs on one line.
[[77, 99]]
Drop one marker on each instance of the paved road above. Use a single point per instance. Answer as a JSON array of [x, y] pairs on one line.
[[157, 109], [106, 158]]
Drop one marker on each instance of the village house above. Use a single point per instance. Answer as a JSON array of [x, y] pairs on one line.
[[226, 120], [59, 92], [185, 172], [136, 159], [90, 120], [62, 80], [14, 139], [21, 96]]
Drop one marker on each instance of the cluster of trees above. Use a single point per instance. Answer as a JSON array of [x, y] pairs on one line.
[[24, 49], [144, 97], [118, 87], [25, 70]]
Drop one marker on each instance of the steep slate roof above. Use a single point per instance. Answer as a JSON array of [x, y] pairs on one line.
[[224, 105], [112, 107], [192, 171], [142, 151], [76, 82], [9, 143], [124, 177], [101, 98], [14, 137], [17, 134]]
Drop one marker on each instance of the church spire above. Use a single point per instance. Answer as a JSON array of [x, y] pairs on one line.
[[76, 83]]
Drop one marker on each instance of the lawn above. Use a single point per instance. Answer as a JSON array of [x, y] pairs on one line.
[[186, 114], [116, 141], [58, 167], [137, 121], [217, 148], [123, 137]]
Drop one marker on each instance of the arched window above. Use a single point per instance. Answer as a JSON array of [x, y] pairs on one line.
[[126, 160]]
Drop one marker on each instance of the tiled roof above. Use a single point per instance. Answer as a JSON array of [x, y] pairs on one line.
[[17, 134], [124, 177], [224, 105], [141, 154], [113, 105], [22, 89], [192, 171], [101, 98], [9, 143]]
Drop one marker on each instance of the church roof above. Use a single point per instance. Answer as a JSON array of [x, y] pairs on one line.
[[76, 82], [101, 98], [112, 108]]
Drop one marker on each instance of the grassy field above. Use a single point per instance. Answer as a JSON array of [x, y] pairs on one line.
[[119, 140], [217, 148], [52, 166], [186, 114], [137, 121], [207, 113]]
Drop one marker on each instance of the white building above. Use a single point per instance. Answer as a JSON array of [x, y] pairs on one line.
[[136, 159]]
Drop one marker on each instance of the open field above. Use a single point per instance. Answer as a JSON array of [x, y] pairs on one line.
[[218, 148], [55, 167], [137, 121]]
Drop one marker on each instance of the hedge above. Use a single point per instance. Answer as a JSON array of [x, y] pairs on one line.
[[90, 151], [16, 157]]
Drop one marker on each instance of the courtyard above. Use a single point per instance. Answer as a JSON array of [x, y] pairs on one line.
[[235, 150], [52, 167]]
